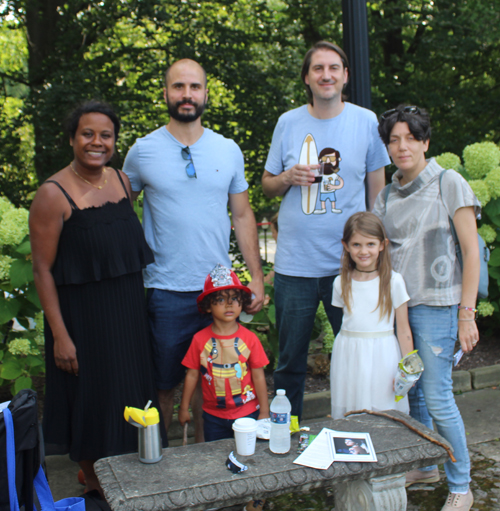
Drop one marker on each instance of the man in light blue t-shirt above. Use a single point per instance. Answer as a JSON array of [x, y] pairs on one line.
[[189, 175], [340, 139]]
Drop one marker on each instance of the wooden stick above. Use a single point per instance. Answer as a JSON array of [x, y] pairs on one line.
[[185, 437], [409, 426]]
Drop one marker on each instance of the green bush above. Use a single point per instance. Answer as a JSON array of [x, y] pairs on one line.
[[21, 320], [481, 162]]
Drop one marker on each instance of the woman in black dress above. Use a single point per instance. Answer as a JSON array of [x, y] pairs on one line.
[[88, 253]]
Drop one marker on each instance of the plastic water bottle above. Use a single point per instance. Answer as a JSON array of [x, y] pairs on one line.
[[279, 443]]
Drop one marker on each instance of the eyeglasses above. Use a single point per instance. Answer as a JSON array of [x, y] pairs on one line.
[[406, 110], [186, 155]]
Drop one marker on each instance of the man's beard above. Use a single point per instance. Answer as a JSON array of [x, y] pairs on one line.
[[174, 113], [328, 169]]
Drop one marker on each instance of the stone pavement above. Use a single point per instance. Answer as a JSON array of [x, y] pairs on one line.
[[481, 413]]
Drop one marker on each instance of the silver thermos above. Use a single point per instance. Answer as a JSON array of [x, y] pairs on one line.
[[148, 423]]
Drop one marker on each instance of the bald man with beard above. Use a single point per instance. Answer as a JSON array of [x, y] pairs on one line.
[[189, 175]]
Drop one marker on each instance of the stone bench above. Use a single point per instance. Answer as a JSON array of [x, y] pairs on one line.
[[195, 477]]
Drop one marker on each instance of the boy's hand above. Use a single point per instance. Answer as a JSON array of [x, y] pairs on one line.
[[263, 415], [184, 416]]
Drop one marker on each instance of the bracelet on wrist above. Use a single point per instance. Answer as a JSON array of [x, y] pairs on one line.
[[466, 319], [470, 309]]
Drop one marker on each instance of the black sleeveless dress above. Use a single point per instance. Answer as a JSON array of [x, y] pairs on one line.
[[98, 274]]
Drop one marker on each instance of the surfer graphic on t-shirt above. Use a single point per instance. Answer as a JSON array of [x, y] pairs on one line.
[[331, 180]]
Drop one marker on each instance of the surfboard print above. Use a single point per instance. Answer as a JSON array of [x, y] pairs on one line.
[[309, 156]]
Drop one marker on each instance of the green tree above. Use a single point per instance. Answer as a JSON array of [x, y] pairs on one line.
[[442, 55], [17, 180]]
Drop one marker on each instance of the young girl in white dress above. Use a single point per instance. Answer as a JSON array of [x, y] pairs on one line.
[[366, 351]]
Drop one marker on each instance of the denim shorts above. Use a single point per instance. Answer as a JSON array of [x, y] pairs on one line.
[[173, 320]]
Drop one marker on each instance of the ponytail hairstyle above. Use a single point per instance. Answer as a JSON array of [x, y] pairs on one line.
[[367, 224]]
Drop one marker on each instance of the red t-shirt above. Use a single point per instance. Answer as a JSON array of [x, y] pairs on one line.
[[225, 363]]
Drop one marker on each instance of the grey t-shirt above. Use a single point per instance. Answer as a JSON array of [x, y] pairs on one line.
[[417, 224]]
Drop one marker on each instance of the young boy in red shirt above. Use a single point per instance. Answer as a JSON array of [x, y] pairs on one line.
[[231, 360], [229, 357]]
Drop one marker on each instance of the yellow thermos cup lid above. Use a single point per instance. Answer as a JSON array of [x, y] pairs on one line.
[[142, 417]]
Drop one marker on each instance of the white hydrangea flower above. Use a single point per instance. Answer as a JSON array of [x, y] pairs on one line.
[[22, 347], [492, 179], [5, 205], [481, 190], [449, 161], [485, 308], [5, 263], [14, 226], [488, 233], [481, 158]]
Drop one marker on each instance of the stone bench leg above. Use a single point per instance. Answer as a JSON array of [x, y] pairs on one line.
[[386, 493]]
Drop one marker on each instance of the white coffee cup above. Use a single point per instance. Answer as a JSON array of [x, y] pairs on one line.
[[245, 435]]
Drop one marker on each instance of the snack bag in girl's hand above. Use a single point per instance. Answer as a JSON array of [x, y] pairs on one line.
[[410, 368]]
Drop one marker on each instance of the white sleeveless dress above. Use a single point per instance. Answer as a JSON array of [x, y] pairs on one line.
[[366, 352]]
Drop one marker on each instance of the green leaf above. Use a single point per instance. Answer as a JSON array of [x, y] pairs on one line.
[[34, 371], [33, 361], [494, 272], [261, 317], [21, 273], [8, 309], [495, 258], [271, 313], [492, 209], [32, 295], [24, 322], [23, 383], [269, 290], [24, 248], [496, 220], [11, 370]]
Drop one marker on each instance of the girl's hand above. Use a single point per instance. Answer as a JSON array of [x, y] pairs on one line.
[[468, 335], [184, 416], [65, 355]]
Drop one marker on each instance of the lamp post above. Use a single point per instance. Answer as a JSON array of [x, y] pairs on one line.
[[355, 40]]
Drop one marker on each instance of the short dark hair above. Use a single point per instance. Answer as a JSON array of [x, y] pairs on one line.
[[243, 298], [320, 45], [419, 123], [89, 107]]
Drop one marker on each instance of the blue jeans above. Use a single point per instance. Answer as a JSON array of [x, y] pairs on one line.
[[216, 428], [297, 300], [434, 335], [173, 320]]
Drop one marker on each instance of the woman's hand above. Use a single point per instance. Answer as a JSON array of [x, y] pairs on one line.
[[65, 355], [468, 334]]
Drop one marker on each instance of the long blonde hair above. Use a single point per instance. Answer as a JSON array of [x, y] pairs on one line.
[[367, 224]]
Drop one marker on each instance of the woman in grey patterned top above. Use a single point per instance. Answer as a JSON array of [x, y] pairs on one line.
[[416, 211]]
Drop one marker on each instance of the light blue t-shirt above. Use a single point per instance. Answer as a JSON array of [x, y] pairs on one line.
[[311, 219], [185, 219]]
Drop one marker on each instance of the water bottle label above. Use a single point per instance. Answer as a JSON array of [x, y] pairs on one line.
[[279, 418]]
